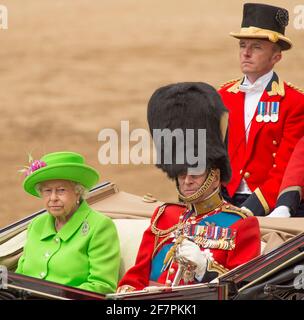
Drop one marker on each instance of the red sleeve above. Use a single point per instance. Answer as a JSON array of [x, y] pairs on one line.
[[294, 174], [138, 276], [248, 243]]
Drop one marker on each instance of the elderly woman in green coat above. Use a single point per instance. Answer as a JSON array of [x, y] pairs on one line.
[[70, 244]]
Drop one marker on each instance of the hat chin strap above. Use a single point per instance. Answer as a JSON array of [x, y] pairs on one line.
[[201, 191]]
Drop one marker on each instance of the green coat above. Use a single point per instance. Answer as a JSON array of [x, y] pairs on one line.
[[84, 253]]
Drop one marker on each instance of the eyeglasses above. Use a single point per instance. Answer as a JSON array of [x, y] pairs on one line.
[[47, 192]]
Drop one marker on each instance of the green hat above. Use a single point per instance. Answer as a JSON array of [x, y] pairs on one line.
[[60, 165]]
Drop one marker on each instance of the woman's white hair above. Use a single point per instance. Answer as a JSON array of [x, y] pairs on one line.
[[78, 187], [81, 190]]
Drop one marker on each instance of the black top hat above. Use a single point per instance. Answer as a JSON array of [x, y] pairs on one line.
[[263, 21], [190, 105]]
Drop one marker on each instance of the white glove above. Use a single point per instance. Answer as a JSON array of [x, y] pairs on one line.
[[191, 252], [280, 212]]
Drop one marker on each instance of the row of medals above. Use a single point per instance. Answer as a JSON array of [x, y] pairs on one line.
[[201, 240], [271, 115]]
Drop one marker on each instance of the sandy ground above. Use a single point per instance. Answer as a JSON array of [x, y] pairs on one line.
[[73, 67]]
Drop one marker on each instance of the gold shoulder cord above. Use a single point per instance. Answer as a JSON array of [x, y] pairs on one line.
[[161, 233], [156, 231]]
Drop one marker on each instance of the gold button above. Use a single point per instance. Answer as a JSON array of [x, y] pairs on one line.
[[241, 171], [274, 154], [274, 165], [246, 175], [57, 240], [274, 142]]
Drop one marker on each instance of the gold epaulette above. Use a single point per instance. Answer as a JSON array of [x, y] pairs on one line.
[[295, 87], [242, 212], [229, 82]]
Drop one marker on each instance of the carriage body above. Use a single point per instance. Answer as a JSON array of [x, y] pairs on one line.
[[271, 275]]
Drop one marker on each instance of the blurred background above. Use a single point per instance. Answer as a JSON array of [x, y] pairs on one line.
[[70, 68]]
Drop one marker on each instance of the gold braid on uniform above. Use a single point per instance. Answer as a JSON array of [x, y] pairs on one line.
[[201, 191], [161, 233], [160, 244], [166, 234], [229, 82], [295, 87]]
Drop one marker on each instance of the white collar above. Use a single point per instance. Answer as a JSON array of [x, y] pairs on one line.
[[263, 80], [258, 86]]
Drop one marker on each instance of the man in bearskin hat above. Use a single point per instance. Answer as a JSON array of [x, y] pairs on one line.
[[266, 114], [202, 236]]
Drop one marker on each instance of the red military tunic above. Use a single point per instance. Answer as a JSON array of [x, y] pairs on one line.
[[263, 159], [153, 249], [292, 187]]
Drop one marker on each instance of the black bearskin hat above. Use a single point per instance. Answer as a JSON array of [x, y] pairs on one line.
[[189, 105]]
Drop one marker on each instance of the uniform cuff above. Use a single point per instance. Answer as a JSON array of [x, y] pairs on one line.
[[255, 205], [291, 199]]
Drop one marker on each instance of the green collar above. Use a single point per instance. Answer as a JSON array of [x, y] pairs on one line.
[[70, 227]]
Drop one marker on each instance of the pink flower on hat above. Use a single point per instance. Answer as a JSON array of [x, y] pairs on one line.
[[34, 165]]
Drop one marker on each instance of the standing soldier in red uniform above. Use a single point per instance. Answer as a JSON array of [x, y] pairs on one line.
[[292, 187], [266, 115], [203, 236]]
